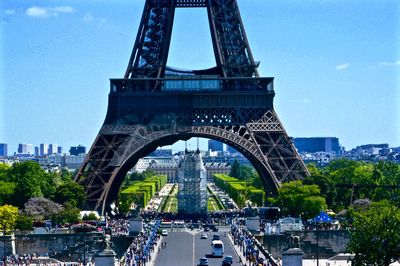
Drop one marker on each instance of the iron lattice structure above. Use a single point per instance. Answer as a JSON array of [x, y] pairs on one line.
[[154, 105]]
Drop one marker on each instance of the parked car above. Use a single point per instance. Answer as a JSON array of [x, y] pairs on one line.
[[203, 262]]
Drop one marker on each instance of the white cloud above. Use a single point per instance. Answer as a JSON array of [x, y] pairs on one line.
[[10, 11], [397, 63], [342, 66], [36, 11]]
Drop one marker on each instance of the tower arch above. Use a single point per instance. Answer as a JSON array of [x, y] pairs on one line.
[[154, 105]]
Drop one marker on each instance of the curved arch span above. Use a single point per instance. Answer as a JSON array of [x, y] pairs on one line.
[[120, 172]]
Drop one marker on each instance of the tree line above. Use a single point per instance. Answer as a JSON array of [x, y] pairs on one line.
[[33, 195]]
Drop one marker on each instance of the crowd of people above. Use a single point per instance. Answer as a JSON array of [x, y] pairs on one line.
[[143, 245], [34, 259], [119, 226], [218, 217], [17, 259], [250, 247]]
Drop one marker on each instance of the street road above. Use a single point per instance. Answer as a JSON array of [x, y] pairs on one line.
[[180, 247]]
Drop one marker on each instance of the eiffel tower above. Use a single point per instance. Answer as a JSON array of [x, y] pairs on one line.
[[155, 105]]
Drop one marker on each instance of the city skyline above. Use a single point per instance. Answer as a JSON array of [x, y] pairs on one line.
[[336, 71]]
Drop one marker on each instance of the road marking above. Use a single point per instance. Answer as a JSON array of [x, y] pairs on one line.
[[193, 249]]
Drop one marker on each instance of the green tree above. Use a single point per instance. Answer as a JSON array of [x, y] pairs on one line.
[[246, 172], [24, 223], [7, 190], [313, 169], [235, 169], [4, 172], [70, 192], [69, 214], [326, 185], [8, 217], [31, 181], [296, 199], [66, 176], [135, 176], [257, 182], [388, 174], [90, 217], [375, 239], [341, 171], [148, 173]]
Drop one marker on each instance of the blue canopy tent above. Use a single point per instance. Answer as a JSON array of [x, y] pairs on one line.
[[322, 217]]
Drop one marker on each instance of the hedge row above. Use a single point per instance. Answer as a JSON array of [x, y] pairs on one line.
[[140, 192], [238, 190], [221, 206]]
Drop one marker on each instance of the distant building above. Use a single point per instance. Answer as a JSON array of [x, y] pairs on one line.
[[3, 149], [373, 153], [51, 161], [24, 148], [231, 150], [192, 184], [318, 158], [44, 149], [226, 159], [396, 149], [142, 164], [59, 150], [74, 161], [53, 148], [372, 146], [164, 166], [37, 151], [216, 168], [215, 145], [318, 144], [77, 150], [161, 153]]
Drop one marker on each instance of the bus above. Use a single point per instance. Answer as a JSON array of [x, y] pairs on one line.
[[217, 248]]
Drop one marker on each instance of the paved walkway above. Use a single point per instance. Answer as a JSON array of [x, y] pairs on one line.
[[153, 255], [237, 250]]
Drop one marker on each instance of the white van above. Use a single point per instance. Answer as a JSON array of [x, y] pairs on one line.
[[217, 248]]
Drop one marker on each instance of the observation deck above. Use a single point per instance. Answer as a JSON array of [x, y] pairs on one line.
[[192, 83]]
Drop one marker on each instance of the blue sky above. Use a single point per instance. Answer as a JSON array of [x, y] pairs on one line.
[[336, 65]]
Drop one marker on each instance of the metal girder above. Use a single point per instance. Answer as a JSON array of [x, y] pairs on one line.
[[142, 115], [118, 147], [191, 3], [231, 48], [150, 51], [277, 148]]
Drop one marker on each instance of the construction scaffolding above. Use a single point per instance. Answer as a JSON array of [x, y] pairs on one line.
[[192, 184]]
